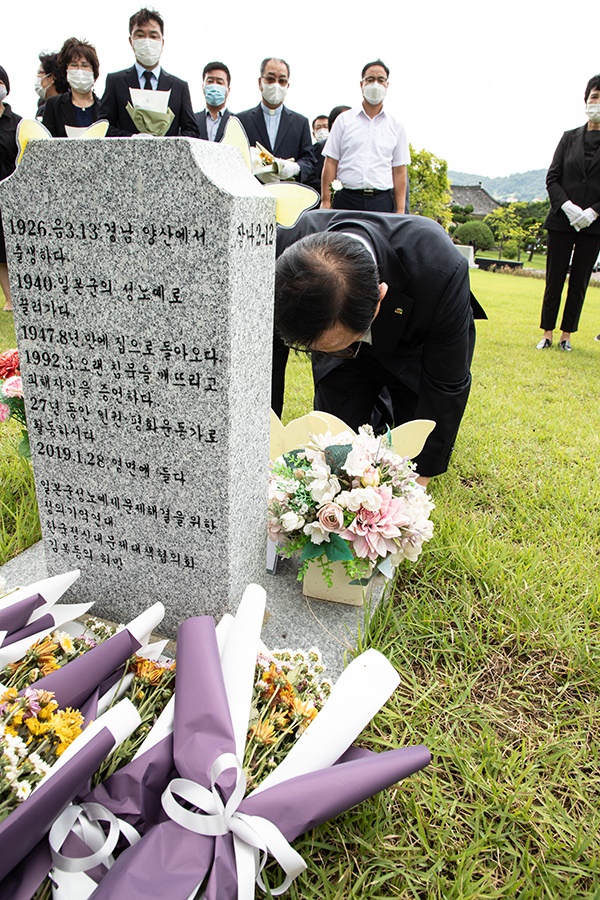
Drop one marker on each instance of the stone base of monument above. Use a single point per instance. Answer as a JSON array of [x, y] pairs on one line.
[[292, 620], [342, 590]]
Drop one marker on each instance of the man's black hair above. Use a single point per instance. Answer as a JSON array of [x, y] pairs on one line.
[[376, 62], [268, 59], [323, 280], [592, 85], [143, 16], [211, 66]]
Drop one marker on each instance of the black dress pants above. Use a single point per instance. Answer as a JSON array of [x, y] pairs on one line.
[[560, 245]]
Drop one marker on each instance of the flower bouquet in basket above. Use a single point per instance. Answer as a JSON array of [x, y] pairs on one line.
[[11, 396], [348, 499]]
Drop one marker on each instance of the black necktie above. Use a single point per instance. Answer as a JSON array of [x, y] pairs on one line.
[[148, 77]]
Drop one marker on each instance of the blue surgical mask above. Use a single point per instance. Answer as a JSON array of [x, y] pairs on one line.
[[215, 94]]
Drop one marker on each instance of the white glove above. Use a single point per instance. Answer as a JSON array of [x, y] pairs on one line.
[[287, 168], [571, 210], [586, 218]]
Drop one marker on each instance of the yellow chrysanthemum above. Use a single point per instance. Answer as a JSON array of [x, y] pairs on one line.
[[262, 733], [66, 724], [9, 694], [307, 710], [36, 727]]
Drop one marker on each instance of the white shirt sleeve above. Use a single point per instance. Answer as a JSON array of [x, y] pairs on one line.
[[401, 155], [333, 144]]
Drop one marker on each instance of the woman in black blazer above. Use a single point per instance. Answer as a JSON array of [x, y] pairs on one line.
[[573, 223], [78, 107]]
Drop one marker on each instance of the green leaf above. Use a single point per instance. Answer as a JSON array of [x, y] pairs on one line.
[[311, 551], [336, 455], [338, 550]]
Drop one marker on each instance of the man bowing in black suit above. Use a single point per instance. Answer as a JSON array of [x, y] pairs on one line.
[[284, 133], [381, 301], [216, 83], [146, 30]]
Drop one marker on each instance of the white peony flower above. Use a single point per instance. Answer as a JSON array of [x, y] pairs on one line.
[[316, 533], [291, 521]]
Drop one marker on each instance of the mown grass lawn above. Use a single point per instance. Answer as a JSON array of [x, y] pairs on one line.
[[495, 632]]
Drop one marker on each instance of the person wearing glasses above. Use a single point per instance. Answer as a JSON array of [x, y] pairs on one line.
[[283, 132], [66, 115], [367, 152], [382, 302]]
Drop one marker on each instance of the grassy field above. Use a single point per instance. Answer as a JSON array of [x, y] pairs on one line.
[[495, 633]]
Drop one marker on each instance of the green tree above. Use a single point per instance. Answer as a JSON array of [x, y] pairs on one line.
[[506, 225], [475, 233], [429, 186]]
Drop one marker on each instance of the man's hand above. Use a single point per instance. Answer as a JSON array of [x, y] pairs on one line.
[[423, 479]]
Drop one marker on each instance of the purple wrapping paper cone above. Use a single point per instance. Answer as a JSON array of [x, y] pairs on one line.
[[24, 880], [169, 860], [133, 793], [302, 803], [26, 825], [15, 617], [41, 624], [72, 684]]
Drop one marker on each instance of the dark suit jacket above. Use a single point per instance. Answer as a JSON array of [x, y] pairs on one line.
[[201, 122], [117, 96], [423, 333], [59, 111], [293, 138], [567, 179], [315, 179]]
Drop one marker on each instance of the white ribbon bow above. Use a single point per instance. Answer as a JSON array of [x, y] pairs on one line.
[[251, 834], [84, 820]]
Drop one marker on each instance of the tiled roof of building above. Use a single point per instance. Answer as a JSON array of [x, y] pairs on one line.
[[474, 195]]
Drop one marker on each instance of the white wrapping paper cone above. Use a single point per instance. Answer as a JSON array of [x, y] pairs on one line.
[[238, 660], [117, 691], [360, 692], [153, 651], [222, 630], [51, 589], [143, 625]]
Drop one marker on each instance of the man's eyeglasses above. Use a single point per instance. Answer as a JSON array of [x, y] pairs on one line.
[[370, 80], [350, 352]]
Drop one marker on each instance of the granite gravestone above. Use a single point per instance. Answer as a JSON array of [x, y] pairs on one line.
[[142, 280]]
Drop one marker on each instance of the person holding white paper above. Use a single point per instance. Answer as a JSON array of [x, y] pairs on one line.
[[68, 114], [146, 37]]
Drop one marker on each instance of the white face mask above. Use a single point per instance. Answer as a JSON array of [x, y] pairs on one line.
[[40, 91], [3, 93], [321, 134], [592, 111], [147, 52], [273, 93], [374, 93], [81, 80]]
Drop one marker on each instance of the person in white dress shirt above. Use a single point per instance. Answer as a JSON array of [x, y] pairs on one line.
[[367, 152]]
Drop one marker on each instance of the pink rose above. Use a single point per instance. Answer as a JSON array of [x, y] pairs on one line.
[[331, 517], [4, 412], [13, 386]]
